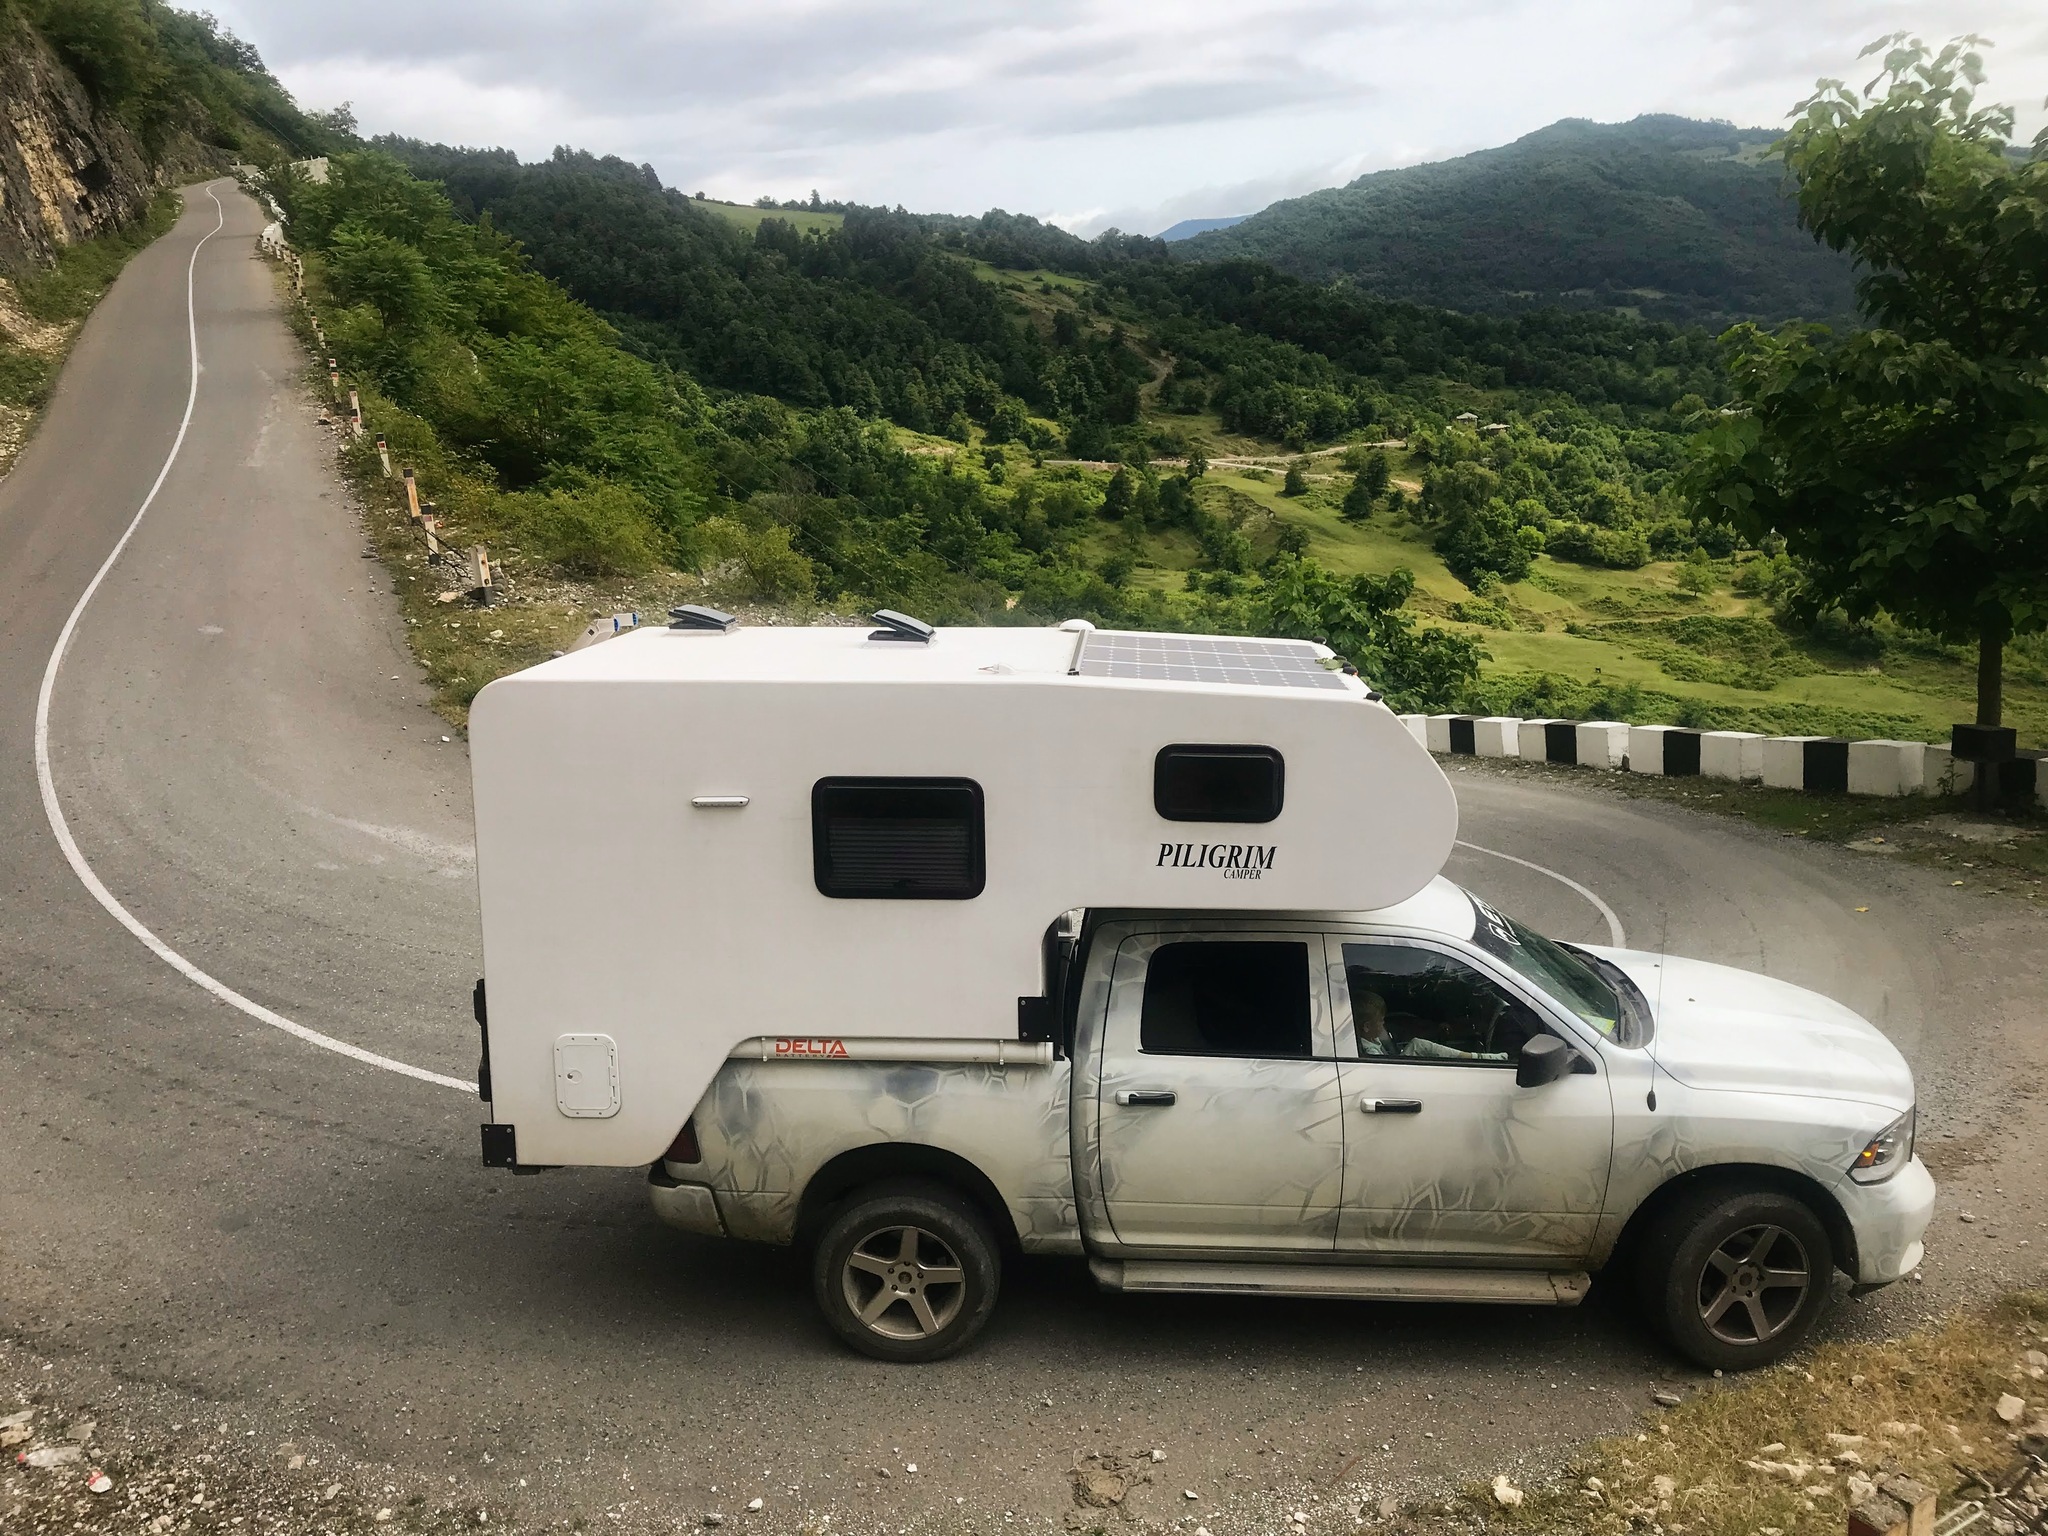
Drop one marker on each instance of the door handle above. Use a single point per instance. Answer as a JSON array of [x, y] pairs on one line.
[[1145, 1098], [1391, 1106]]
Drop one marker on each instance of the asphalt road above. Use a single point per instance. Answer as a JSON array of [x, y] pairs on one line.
[[206, 1217]]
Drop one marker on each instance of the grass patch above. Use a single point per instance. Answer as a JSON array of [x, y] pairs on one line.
[[749, 218], [1790, 1449]]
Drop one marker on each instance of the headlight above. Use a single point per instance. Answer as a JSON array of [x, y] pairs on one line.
[[1889, 1151]]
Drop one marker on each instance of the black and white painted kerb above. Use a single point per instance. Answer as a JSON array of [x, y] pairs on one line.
[[1817, 764]]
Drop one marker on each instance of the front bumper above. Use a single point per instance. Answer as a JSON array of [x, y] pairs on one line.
[[1889, 1220], [686, 1207]]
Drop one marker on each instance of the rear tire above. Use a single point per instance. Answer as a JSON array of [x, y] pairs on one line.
[[1735, 1278], [907, 1271]]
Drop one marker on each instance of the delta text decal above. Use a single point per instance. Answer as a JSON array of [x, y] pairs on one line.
[[788, 1047], [1235, 861]]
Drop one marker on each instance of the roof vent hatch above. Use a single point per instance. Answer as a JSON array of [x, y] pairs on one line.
[[901, 626], [692, 616]]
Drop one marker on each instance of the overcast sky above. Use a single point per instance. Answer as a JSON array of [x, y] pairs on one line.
[[1078, 111]]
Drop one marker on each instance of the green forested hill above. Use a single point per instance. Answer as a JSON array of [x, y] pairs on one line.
[[1673, 218], [1477, 508], [899, 316]]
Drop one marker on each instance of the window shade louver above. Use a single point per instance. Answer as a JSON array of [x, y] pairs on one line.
[[907, 839]]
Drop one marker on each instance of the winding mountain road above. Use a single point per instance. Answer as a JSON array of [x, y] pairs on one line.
[[207, 1214]]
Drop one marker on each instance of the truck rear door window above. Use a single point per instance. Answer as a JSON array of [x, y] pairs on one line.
[[1217, 998], [898, 839]]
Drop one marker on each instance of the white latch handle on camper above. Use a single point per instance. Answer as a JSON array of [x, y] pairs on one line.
[[1145, 1098]]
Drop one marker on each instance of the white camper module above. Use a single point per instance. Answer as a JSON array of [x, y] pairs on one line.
[[715, 840]]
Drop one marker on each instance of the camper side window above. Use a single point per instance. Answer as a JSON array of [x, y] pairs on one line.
[[898, 839], [1227, 999], [1218, 783]]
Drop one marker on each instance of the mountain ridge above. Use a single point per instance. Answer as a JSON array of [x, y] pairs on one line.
[[1671, 217], [1187, 229]]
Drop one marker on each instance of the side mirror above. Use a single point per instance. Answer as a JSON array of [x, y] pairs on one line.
[[1544, 1059]]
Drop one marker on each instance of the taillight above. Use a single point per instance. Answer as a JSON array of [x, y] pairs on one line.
[[684, 1148]]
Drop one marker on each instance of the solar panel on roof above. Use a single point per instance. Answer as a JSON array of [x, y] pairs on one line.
[[1204, 659]]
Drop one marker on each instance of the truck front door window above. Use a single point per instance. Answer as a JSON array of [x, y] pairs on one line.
[[1423, 1005]]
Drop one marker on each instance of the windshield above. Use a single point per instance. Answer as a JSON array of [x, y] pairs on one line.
[[1575, 981]]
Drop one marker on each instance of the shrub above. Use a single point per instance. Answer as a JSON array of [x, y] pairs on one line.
[[1483, 612], [759, 564], [1622, 549], [1296, 483], [601, 528]]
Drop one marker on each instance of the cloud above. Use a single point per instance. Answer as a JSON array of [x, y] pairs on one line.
[[1092, 111]]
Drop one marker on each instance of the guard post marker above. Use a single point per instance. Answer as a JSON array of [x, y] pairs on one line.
[[412, 496], [480, 574], [355, 415], [431, 526], [384, 455], [334, 379]]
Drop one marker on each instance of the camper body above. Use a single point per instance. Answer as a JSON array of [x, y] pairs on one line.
[[1132, 948]]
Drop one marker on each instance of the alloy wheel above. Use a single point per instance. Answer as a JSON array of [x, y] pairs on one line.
[[904, 1283], [1753, 1285]]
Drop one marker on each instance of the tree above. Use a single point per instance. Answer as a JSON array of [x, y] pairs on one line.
[[1361, 619], [1476, 540], [1358, 500], [1696, 574], [340, 121], [1906, 464], [1476, 530], [1118, 494], [1376, 472], [110, 44], [1295, 482]]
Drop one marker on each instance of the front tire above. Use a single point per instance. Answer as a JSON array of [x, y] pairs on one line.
[[1736, 1278], [907, 1272]]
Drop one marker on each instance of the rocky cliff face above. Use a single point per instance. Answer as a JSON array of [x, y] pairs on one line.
[[68, 171]]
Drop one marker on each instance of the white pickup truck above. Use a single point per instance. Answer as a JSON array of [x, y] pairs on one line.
[[1428, 1102], [921, 947]]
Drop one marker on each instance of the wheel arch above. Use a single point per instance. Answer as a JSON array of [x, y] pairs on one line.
[[1808, 1190], [858, 1167]]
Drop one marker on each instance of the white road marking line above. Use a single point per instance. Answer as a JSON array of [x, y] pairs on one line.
[[1616, 936], [48, 784]]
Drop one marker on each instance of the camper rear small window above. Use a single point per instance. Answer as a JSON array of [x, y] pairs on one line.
[[1211, 783], [897, 839]]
